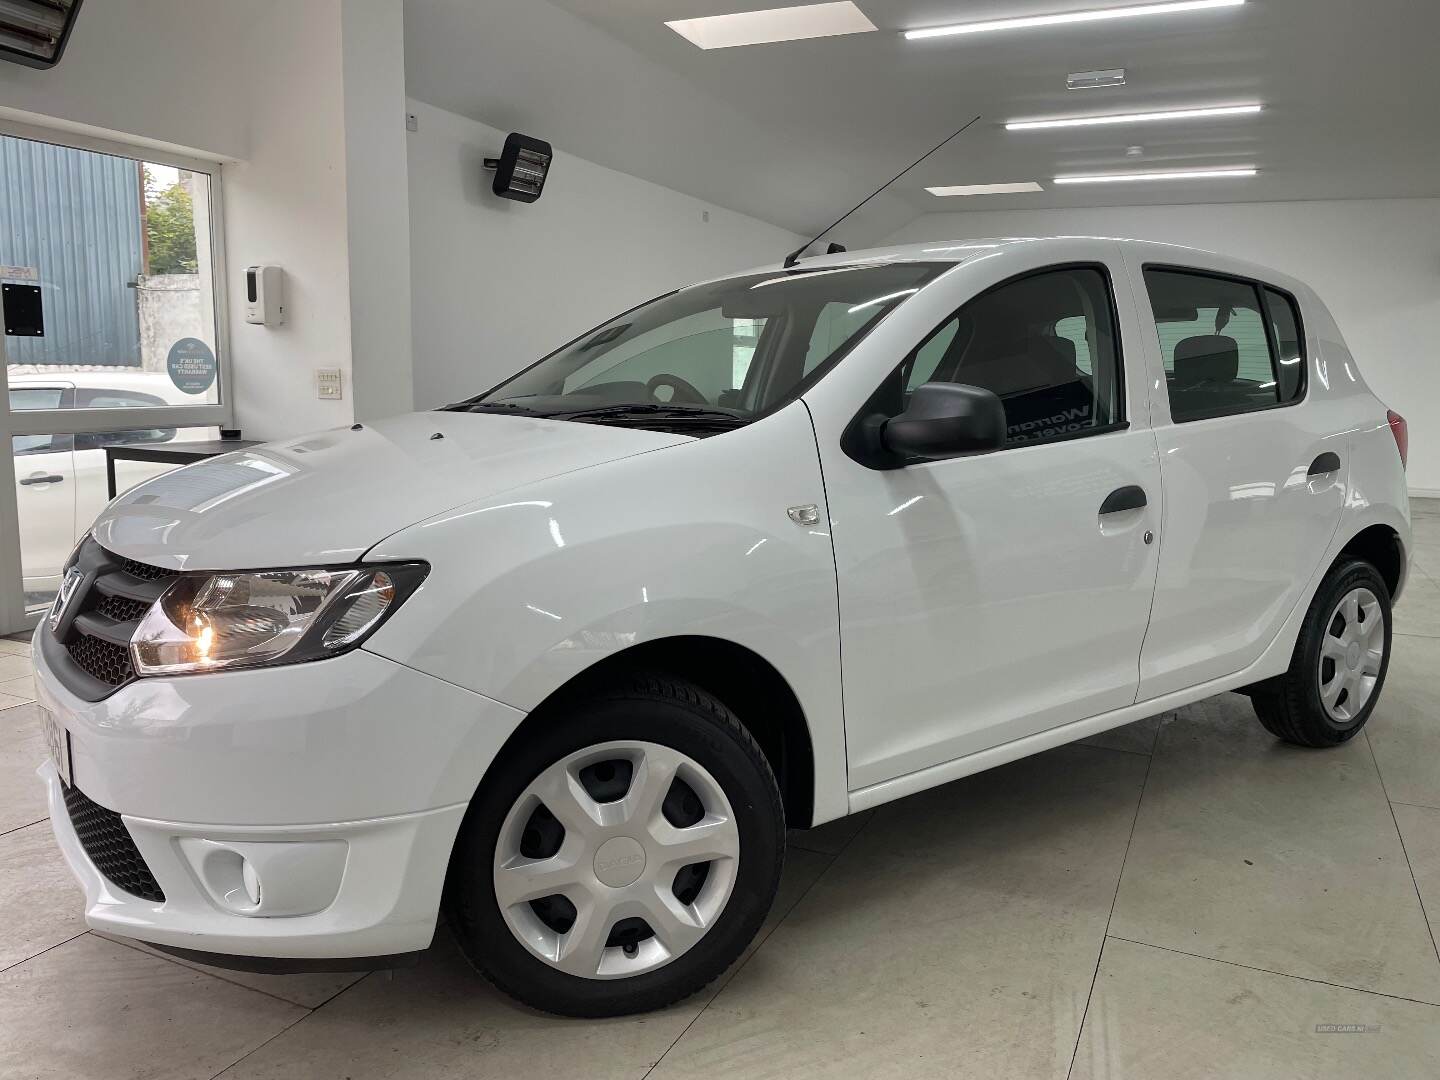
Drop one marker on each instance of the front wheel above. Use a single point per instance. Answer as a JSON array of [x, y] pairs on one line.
[[1339, 664], [623, 856]]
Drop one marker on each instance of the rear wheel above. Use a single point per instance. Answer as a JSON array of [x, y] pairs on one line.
[[623, 857], [1339, 664]]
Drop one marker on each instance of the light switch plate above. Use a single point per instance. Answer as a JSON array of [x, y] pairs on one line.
[[328, 384]]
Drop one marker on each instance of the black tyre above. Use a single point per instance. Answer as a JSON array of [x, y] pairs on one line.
[[1339, 665], [621, 855]]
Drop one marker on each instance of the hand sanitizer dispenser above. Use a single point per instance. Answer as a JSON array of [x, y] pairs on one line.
[[265, 295]]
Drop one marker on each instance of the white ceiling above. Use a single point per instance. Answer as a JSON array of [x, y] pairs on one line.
[[794, 133]]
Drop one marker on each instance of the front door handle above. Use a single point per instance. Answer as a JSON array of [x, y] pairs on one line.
[[1326, 463], [1129, 497], [51, 479]]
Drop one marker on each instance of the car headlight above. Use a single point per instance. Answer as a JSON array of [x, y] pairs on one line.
[[206, 622]]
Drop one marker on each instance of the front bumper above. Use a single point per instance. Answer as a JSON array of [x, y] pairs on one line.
[[384, 895], [341, 783]]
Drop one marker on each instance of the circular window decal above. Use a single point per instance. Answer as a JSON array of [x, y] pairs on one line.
[[191, 365]]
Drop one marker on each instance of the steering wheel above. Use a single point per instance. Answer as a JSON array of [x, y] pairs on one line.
[[682, 392]]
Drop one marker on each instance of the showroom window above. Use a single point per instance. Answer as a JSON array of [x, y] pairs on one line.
[[1025, 340], [115, 305], [1215, 344]]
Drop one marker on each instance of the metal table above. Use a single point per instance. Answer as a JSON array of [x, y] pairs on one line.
[[179, 453]]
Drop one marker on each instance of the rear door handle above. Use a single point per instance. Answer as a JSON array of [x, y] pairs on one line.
[[1129, 497], [1326, 463], [51, 479]]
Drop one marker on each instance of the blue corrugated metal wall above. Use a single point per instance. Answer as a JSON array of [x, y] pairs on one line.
[[74, 215]]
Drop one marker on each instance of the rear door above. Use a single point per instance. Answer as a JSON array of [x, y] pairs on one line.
[[1253, 470]]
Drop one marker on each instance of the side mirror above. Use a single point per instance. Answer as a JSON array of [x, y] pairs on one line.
[[946, 420]]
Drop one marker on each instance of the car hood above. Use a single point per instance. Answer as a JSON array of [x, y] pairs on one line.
[[330, 496]]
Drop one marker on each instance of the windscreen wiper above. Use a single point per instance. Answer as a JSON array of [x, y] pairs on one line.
[[491, 406], [669, 413]]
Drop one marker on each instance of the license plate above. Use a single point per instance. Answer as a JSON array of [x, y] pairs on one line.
[[57, 741]]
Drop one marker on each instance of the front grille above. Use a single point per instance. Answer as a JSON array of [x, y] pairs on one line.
[[121, 608], [98, 623], [144, 571], [110, 847], [103, 660]]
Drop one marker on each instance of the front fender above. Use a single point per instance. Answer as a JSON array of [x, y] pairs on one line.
[[531, 588]]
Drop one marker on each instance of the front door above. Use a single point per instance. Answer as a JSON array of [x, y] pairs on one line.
[[988, 598]]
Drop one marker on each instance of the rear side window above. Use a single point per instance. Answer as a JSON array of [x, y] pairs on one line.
[[1045, 344], [1218, 341], [1290, 341]]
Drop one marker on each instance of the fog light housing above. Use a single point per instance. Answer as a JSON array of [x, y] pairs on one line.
[[267, 879], [251, 880]]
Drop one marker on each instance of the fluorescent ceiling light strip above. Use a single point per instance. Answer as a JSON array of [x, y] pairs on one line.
[[985, 189], [773, 24], [1128, 178], [1026, 22], [1133, 118]]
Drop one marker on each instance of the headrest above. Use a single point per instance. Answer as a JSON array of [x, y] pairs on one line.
[[1207, 358], [1020, 364]]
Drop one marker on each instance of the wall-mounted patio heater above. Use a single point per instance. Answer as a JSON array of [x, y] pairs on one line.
[[521, 168], [35, 32]]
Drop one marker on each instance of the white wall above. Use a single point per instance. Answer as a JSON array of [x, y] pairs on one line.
[[1376, 263], [285, 204], [377, 202], [161, 71], [497, 284]]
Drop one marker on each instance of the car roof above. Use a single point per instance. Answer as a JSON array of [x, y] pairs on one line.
[[958, 251]]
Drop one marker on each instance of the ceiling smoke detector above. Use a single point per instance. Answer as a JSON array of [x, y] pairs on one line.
[[1095, 80]]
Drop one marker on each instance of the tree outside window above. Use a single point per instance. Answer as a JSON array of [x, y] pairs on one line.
[[169, 225]]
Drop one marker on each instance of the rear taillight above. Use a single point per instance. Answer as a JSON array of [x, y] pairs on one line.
[[1401, 431]]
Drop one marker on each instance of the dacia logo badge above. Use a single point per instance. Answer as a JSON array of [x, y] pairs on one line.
[[69, 589]]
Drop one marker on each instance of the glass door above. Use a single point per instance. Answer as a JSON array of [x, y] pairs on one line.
[[113, 308]]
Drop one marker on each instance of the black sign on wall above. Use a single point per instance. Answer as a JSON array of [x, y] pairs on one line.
[[24, 314]]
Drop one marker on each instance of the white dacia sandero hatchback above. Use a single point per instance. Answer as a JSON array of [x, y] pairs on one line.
[[564, 660]]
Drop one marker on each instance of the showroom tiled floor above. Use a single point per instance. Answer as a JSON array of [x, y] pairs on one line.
[[1182, 898]]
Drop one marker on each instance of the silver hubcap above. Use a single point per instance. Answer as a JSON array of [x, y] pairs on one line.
[[616, 859], [1351, 654]]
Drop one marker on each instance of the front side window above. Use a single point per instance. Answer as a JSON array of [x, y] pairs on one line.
[[711, 356], [1045, 344], [1215, 342]]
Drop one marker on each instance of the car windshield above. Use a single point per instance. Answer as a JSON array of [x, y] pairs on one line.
[[711, 356]]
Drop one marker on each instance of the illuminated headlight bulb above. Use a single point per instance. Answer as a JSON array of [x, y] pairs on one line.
[[204, 636]]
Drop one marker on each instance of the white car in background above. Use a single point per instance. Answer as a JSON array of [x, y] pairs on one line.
[[563, 660], [60, 483]]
